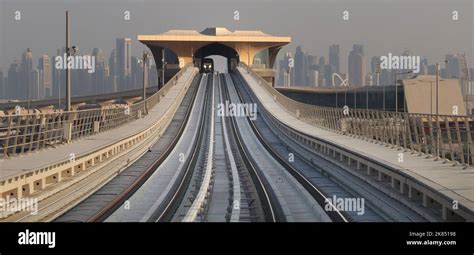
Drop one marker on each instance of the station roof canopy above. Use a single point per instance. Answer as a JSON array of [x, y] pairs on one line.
[[244, 46], [215, 34]]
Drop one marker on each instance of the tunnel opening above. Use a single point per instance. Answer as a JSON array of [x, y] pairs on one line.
[[216, 52]]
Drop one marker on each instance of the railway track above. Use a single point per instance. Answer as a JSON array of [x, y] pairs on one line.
[[227, 173], [269, 203], [171, 205], [316, 193], [112, 195], [221, 180], [323, 172]]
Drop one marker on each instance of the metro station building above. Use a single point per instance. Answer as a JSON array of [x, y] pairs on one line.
[[181, 47]]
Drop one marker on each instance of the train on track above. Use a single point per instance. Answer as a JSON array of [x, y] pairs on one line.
[[207, 65]]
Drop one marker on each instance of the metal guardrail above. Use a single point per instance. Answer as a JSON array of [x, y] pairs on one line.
[[21, 133], [445, 136]]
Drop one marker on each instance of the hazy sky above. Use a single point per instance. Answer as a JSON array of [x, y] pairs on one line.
[[425, 27]]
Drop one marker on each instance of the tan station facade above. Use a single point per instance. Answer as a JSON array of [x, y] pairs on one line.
[[420, 94], [182, 47]]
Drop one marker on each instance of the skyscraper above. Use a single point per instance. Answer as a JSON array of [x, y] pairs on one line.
[[137, 73], [324, 72], [432, 69], [45, 83], [369, 79], [327, 75], [313, 78], [282, 73], [312, 62], [357, 66], [124, 64], [334, 58], [152, 74], [423, 67], [35, 89], [301, 67], [25, 85], [99, 77], [83, 81], [58, 76], [286, 73], [373, 70], [453, 69], [322, 62], [12, 89], [113, 72]]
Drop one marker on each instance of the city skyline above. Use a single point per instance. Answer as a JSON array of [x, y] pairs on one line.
[[112, 74], [312, 70], [373, 24], [24, 79]]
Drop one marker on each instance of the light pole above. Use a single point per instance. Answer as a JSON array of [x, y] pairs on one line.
[[70, 51], [437, 88], [465, 84], [396, 104], [437, 84], [437, 110], [383, 101], [145, 78], [396, 89], [464, 91], [288, 77], [438, 135], [3, 89], [28, 85], [163, 66], [68, 71], [377, 74], [367, 97], [355, 98], [345, 96], [431, 96], [248, 54], [404, 96], [59, 95]]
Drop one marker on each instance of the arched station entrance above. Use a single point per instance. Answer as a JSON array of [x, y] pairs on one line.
[[182, 47]]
